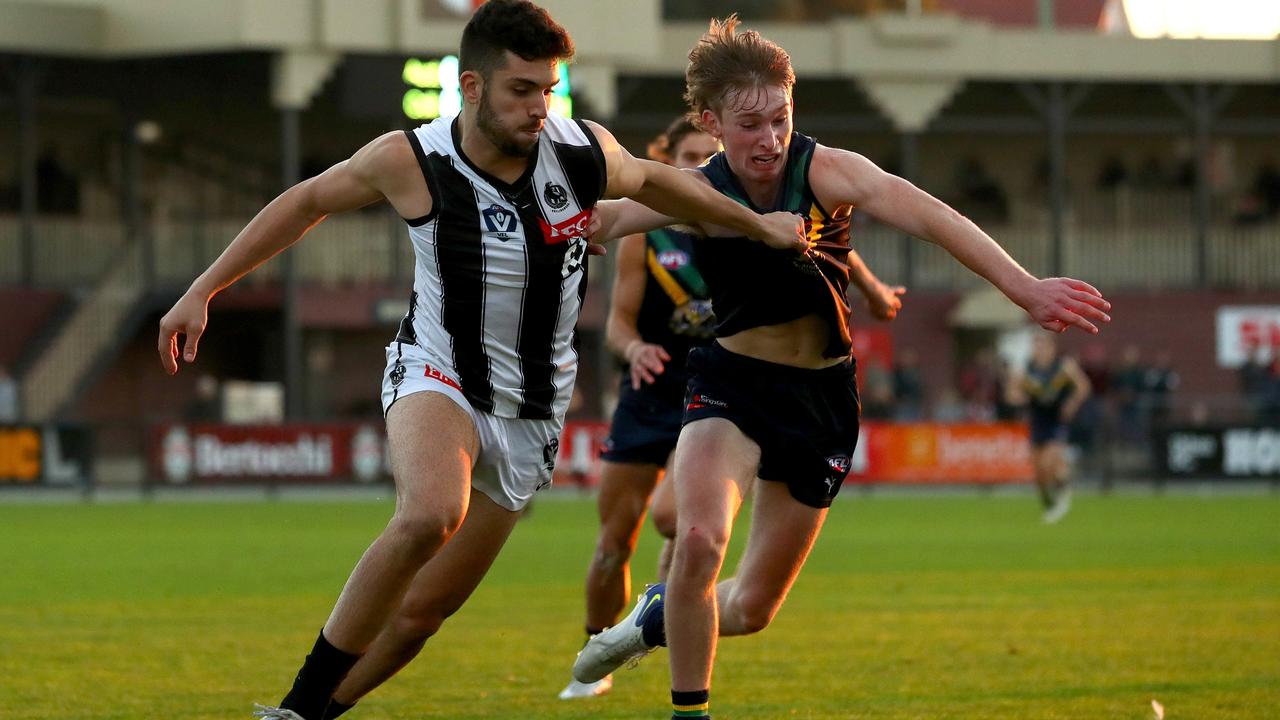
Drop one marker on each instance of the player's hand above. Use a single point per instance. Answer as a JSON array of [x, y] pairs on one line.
[[783, 230], [884, 302], [187, 317], [1059, 303], [647, 362], [594, 224]]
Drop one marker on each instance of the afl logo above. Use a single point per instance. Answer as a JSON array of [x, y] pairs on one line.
[[839, 464], [397, 374], [673, 259], [555, 195]]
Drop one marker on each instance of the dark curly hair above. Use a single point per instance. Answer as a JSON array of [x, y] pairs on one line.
[[516, 25]]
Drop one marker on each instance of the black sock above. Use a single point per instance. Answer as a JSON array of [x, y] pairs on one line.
[[592, 632], [654, 629], [320, 675], [695, 704], [336, 708]]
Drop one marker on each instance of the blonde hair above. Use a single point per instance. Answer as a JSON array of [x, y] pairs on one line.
[[726, 62]]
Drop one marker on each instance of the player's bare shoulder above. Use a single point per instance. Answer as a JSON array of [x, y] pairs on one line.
[[389, 164], [843, 177]]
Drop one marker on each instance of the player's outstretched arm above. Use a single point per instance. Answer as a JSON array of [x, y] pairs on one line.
[[683, 194], [883, 301], [645, 360], [621, 218], [1054, 303], [385, 168]]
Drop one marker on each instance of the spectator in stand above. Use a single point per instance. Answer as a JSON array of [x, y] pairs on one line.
[[980, 196], [1007, 407], [1255, 382], [1270, 414], [8, 397], [1114, 175], [979, 386], [206, 403], [1089, 420], [908, 386], [877, 392], [1266, 185], [948, 407], [1159, 383], [1127, 383]]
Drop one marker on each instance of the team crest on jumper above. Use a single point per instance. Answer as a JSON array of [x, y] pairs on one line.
[[555, 195]]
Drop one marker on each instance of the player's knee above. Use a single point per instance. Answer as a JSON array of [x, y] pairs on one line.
[[423, 531], [664, 521], [612, 555], [420, 621], [701, 550], [754, 609]]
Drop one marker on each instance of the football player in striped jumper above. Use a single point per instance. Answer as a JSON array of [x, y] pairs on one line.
[[659, 311], [480, 374], [772, 405]]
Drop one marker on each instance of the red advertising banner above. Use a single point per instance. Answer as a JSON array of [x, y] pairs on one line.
[[924, 453], [578, 463], [304, 453], [914, 453]]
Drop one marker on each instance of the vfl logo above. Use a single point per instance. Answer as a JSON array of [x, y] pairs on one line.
[[397, 374], [555, 195], [673, 259], [498, 219]]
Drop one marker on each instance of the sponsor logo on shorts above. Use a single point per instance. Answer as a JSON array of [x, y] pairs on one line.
[[555, 195], [435, 374], [839, 465], [700, 401]]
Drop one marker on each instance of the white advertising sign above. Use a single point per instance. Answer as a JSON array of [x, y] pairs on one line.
[[1243, 330]]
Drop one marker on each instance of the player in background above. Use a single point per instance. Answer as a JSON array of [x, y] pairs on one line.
[[1053, 388], [659, 311], [480, 373], [775, 397]]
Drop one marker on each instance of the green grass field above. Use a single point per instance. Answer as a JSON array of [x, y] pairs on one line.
[[911, 607]]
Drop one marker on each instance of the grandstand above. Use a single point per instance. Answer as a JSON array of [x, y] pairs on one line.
[[1129, 143], [145, 141]]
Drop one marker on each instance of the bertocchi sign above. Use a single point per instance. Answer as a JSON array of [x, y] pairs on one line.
[[294, 453]]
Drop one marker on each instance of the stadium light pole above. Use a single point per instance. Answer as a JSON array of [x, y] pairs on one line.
[[1202, 106], [1055, 104], [909, 148], [290, 172], [1046, 15], [26, 79]]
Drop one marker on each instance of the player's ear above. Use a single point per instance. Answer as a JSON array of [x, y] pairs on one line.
[[711, 123], [471, 83]]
